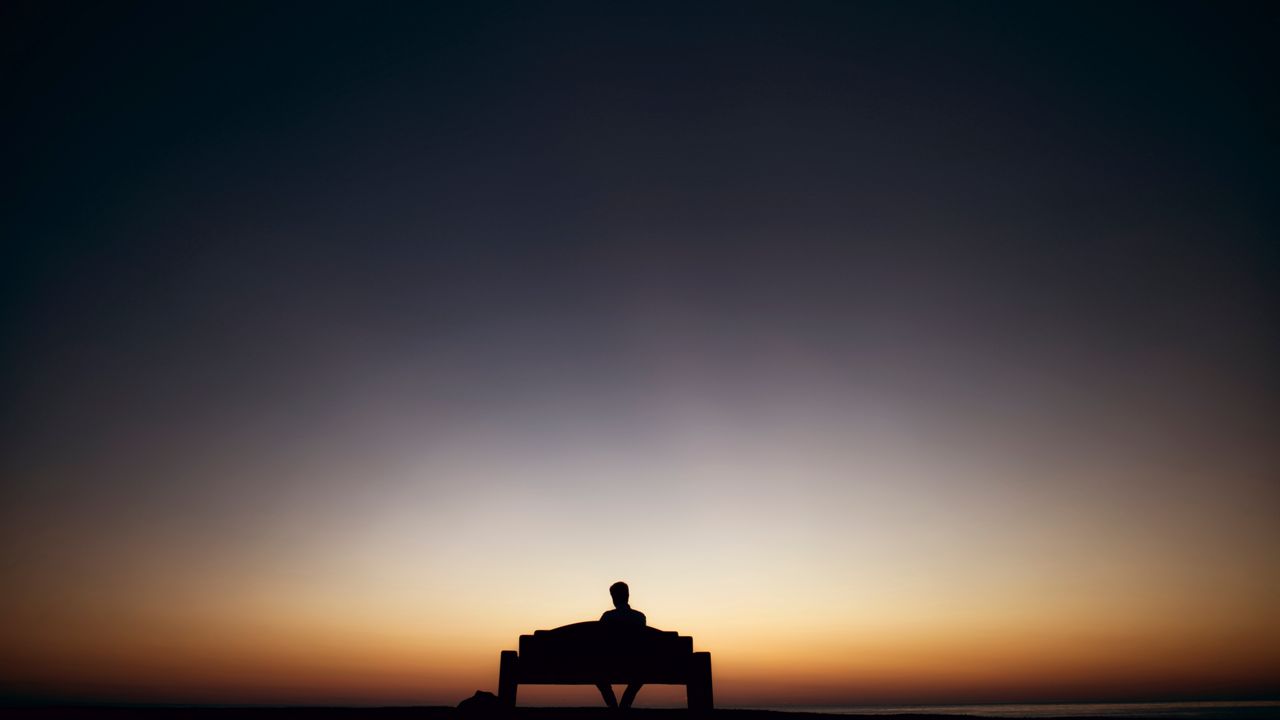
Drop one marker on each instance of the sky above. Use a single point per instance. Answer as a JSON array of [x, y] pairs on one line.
[[902, 352]]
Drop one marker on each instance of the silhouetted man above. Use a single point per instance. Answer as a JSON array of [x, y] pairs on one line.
[[621, 614]]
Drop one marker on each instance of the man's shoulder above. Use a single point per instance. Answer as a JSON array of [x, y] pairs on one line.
[[628, 616]]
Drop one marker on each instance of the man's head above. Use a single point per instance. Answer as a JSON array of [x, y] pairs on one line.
[[620, 592]]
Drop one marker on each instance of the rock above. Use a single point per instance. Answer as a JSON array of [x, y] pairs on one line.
[[482, 704]]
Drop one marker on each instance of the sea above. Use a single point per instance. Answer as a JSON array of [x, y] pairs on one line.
[[1225, 710]]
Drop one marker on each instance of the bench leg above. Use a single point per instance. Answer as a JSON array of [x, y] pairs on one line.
[[508, 678], [698, 689]]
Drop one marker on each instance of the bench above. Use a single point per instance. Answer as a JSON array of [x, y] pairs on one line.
[[594, 653]]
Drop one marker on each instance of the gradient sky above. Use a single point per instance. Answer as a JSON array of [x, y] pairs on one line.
[[902, 352]]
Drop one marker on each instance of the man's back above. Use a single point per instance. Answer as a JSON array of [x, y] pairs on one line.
[[624, 616]]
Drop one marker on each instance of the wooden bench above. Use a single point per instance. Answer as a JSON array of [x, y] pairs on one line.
[[594, 653]]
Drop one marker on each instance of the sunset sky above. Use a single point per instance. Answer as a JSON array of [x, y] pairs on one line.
[[904, 352]]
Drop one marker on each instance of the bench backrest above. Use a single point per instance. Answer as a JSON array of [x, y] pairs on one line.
[[593, 652]]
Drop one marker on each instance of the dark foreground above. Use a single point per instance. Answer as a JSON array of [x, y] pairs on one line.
[[423, 713], [448, 713]]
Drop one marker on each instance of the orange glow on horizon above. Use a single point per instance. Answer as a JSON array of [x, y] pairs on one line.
[[369, 630]]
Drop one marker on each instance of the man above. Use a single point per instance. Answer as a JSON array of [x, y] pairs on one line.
[[621, 614]]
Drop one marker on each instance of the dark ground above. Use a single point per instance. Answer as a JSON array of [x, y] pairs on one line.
[[448, 713]]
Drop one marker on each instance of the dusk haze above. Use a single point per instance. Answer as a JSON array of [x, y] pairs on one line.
[[900, 353]]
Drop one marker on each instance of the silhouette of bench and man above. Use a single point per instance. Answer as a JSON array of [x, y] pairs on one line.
[[617, 649]]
